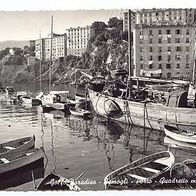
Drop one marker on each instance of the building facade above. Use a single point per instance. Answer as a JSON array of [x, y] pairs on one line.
[[77, 40], [125, 20], [59, 47], [164, 51]]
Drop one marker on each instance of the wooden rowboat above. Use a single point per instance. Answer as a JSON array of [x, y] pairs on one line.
[[79, 112], [14, 160], [17, 145], [179, 134], [30, 100], [140, 172], [56, 182]]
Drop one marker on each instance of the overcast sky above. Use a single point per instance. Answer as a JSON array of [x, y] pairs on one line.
[[26, 25]]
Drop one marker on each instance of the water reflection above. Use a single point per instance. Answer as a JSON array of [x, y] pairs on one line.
[[75, 145]]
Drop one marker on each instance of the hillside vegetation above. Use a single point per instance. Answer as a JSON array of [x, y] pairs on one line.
[[107, 49]]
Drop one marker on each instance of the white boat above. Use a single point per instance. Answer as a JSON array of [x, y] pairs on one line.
[[56, 100], [79, 112], [179, 134], [152, 115], [140, 172], [30, 100]]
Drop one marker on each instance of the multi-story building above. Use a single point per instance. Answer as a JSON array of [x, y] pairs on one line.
[[59, 47], [153, 16], [125, 20], [165, 50], [77, 40]]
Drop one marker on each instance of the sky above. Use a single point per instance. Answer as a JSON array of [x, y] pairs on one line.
[[28, 25]]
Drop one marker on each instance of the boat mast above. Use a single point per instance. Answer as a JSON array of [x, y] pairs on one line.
[[193, 76], [50, 66], [40, 64], [129, 45]]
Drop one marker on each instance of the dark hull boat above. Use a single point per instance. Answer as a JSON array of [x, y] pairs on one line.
[[54, 182], [14, 160], [140, 172], [17, 145]]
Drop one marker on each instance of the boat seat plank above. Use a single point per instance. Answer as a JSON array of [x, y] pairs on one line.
[[151, 170], [9, 147], [29, 153], [136, 176], [141, 173], [155, 165], [4, 160]]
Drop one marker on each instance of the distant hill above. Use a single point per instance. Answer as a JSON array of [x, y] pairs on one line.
[[13, 43]]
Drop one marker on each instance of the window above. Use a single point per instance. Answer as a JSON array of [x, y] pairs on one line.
[[187, 32], [177, 57], [150, 32], [159, 58], [160, 32], [169, 40], [169, 49], [150, 49], [178, 66], [187, 40], [150, 66], [141, 41], [168, 31], [141, 66], [160, 66], [160, 40], [178, 49], [187, 57], [160, 49], [151, 58], [141, 58], [187, 65], [177, 40], [178, 31], [140, 49], [168, 75], [168, 57], [150, 40], [187, 48], [168, 66]]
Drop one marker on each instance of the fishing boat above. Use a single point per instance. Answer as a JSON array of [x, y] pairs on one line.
[[180, 134], [56, 182], [30, 100], [56, 100], [14, 160], [17, 145], [79, 112], [139, 172]]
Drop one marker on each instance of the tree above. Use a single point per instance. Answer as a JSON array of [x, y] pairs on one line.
[[98, 27]]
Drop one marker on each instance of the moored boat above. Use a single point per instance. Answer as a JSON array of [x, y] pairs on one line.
[[56, 182], [172, 111], [79, 112], [17, 145], [180, 134], [14, 160], [30, 100], [139, 172]]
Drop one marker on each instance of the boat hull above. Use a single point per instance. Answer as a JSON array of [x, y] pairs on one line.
[[149, 115], [169, 131], [20, 160]]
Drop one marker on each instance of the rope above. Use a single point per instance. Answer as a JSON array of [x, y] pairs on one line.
[[146, 112]]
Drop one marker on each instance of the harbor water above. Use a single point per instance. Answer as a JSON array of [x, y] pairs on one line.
[[74, 146]]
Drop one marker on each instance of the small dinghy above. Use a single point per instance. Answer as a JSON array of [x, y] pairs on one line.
[[139, 172], [17, 145], [180, 135], [14, 160], [57, 182], [79, 112], [30, 100]]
